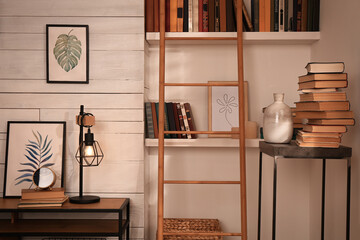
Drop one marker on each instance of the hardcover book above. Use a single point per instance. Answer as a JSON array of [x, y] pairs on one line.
[[323, 106], [35, 194], [318, 144], [342, 122], [336, 96], [323, 84], [190, 119], [325, 115], [325, 67], [323, 77], [327, 129]]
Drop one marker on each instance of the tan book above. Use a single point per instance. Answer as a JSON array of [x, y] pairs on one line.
[[44, 200], [321, 128], [39, 205], [40, 194], [323, 106], [325, 115], [324, 96], [318, 90], [318, 144], [179, 16], [342, 122], [318, 134], [323, 84], [318, 139], [323, 77], [173, 16]]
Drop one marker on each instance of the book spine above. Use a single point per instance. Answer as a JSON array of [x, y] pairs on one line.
[[281, 15], [167, 16], [155, 121], [180, 16], [156, 15], [230, 16], [173, 15], [217, 15], [205, 16], [276, 16], [211, 7], [171, 119], [200, 7], [190, 15], [195, 14], [298, 15], [149, 122], [176, 119], [166, 122], [304, 15], [186, 123], [247, 19], [186, 16], [261, 15], [149, 6], [316, 21], [223, 15], [181, 119], [190, 119], [286, 15]]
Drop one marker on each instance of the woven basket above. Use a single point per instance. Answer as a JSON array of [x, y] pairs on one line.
[[191, 225]]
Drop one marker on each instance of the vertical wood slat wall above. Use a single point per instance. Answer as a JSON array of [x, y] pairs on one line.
[[114, 94], [242, 160]]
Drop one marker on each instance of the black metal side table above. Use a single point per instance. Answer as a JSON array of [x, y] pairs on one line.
[[291, 150]]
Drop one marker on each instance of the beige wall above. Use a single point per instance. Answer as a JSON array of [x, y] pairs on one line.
[[340, 38], [114, 94]]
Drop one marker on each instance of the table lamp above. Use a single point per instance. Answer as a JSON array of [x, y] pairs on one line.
[[88, 154]]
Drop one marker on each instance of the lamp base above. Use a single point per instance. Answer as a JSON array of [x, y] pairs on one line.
[[84, 199]]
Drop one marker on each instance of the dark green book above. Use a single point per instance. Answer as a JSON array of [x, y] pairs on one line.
[[149, 121], [166, 123]]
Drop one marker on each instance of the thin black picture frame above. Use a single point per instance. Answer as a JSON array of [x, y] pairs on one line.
[[61, 165], [50, 55]]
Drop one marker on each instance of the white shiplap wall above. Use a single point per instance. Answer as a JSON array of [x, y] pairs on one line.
[[114, 94]]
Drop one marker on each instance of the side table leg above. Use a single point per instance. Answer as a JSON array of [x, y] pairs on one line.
[[348, 198], [121, 230], [259, 196], [128, 219], [323, 198], [274, 197]]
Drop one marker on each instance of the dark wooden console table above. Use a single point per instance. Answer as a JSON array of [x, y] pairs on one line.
[[18, 227], [288, 151]]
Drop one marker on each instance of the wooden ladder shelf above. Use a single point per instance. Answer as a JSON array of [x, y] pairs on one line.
[[240, 84]]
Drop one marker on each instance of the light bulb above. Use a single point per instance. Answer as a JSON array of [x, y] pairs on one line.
[[89, 151]]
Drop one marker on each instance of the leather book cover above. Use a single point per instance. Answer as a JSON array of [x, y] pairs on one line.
[[181, 120], [186, 16], [167, 16], [205, 16], [190, 119], [200, 21], [211, 6], [230, 16], [156, 15], [155, 121], [176, 118], [173, 15], [149, 6], [170, 117], [222, 15], [180, 16]]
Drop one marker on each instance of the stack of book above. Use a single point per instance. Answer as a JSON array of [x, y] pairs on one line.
[[42, 198], [178, 117], [323, 107]]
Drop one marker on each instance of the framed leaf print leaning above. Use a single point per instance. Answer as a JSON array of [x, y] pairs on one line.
[[67, 53], [30, 146]]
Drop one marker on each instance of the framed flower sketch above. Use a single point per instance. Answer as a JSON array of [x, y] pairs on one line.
[[67, 53], [29, 146], [223, 108]]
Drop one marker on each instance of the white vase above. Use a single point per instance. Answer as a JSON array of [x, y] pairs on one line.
[[278, 125]]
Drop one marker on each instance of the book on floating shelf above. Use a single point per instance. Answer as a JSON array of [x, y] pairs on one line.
[[323, 84], [325, 115], [325, 67], [323, 106], [321, 128], [323, 77], [324, 96]]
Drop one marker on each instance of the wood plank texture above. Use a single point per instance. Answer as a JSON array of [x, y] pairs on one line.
[[107, 25], [71, 100], [32, 65], [94, 86], [72, 8], [97, 42], [17, 115]]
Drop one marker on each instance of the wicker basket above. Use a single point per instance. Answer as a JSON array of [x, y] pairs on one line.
[[191, 225]]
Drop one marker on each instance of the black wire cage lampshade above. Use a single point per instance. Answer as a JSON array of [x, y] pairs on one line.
[[88, 154]]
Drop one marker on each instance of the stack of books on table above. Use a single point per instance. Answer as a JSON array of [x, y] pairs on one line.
[[42, 198], [323, 107]]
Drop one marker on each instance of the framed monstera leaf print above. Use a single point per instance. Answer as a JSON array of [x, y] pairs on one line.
[[67, 49], [29, 147]]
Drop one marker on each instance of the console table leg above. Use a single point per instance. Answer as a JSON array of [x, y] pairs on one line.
[[128, 219], [323, 199], [259, 196], [348, 198], [120, 224], [274, 197]]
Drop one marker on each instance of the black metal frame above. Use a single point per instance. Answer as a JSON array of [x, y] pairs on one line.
[[86, 50], [273, 149], [7, 149]]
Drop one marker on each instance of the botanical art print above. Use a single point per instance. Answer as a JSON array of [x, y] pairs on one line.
[[67, 53], [30, 146]]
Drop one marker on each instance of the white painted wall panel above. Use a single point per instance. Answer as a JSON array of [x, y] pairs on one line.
[[71, 100], [114, 65], [94, 86], [17, 115], [72, 8], [97, 42], [101, 115], [107, 25]]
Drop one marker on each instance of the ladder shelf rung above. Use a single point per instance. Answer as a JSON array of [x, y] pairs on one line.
[[200, 182], [201, 234], [201, 38], [201, 84], [202, 132]]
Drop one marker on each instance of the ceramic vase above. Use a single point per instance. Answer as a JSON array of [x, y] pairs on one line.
[[278, 125]]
